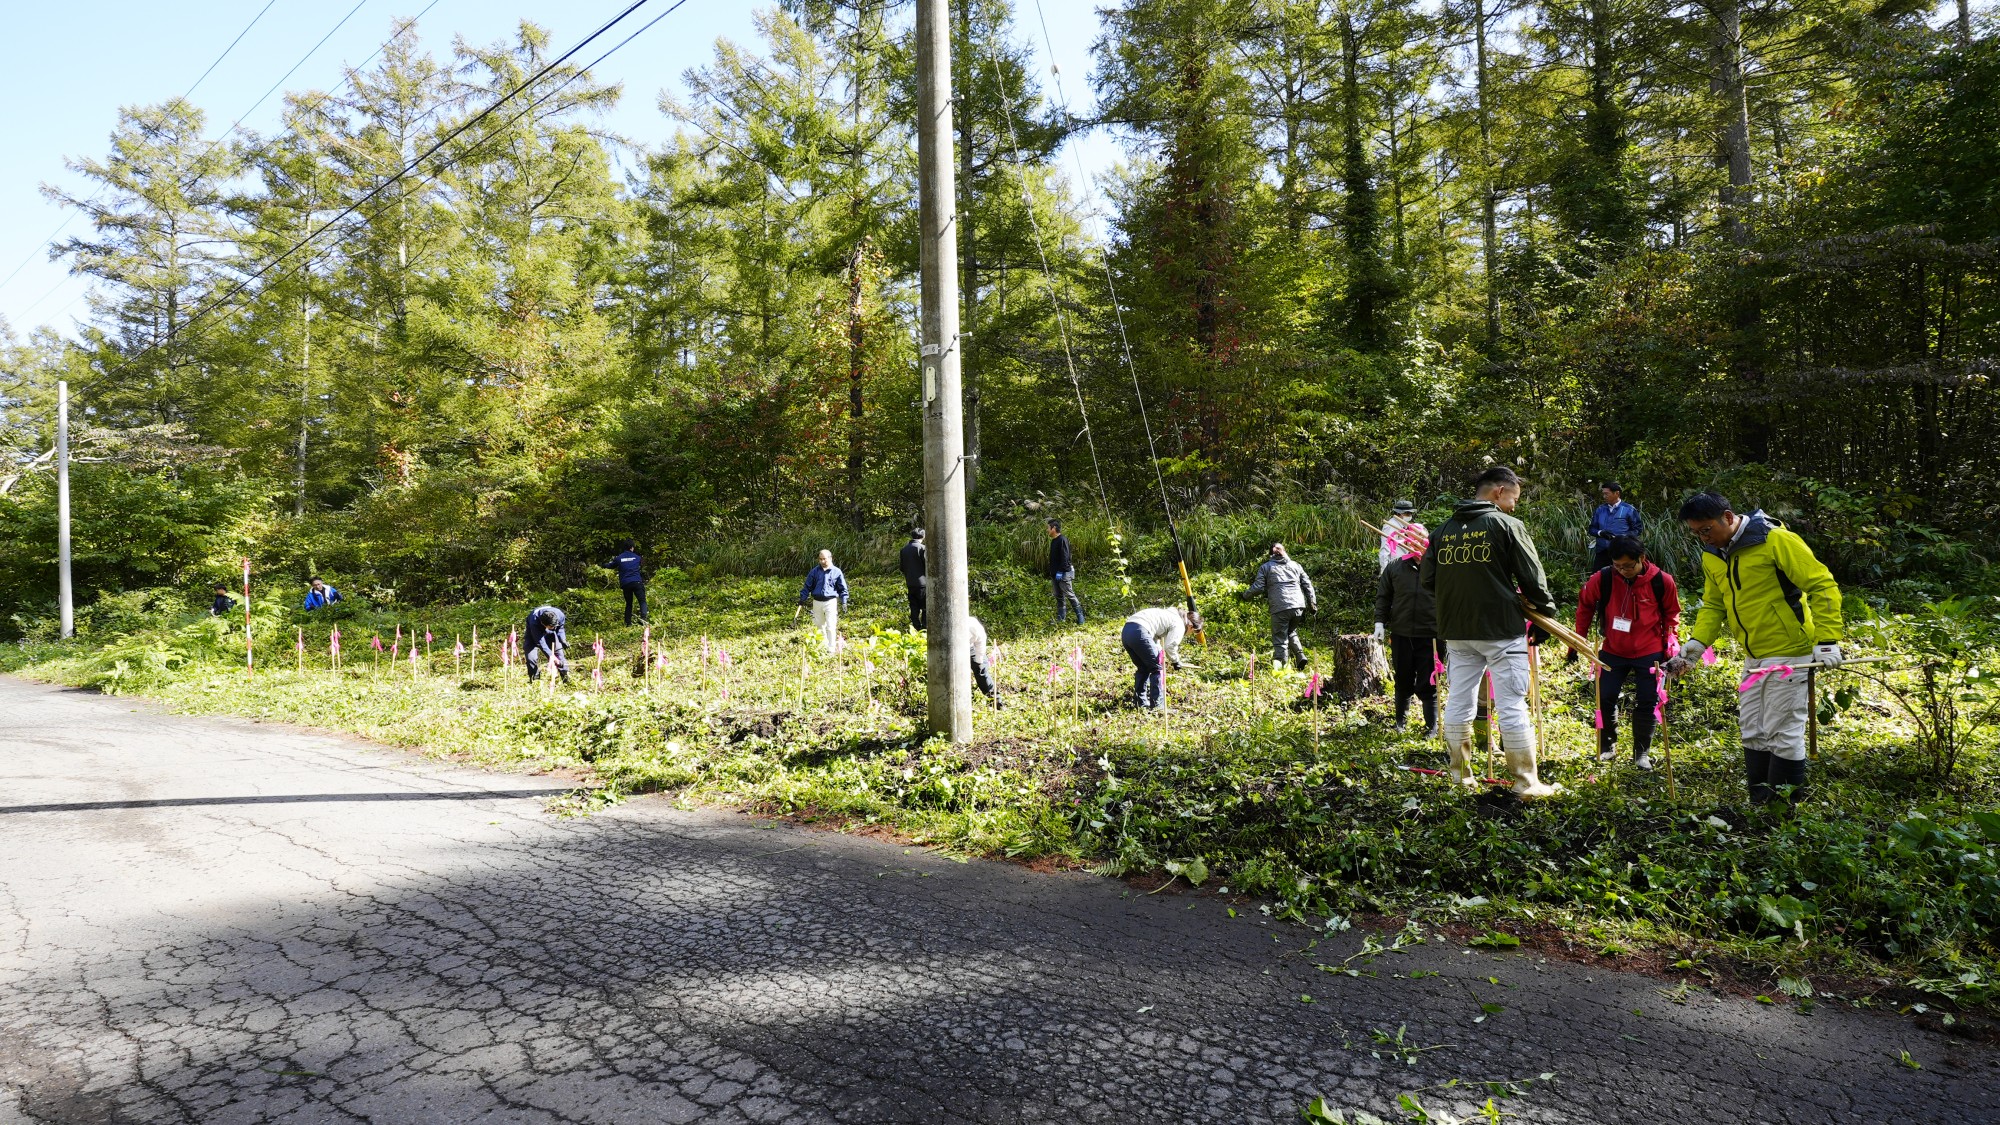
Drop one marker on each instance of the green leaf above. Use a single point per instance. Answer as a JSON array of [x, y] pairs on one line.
[[1989, 823], [1494, 939]]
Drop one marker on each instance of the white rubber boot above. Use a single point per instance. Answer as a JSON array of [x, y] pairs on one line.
[[1528, 784], [1462, 770]]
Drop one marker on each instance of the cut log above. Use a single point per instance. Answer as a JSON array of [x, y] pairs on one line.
[[1359, 668]]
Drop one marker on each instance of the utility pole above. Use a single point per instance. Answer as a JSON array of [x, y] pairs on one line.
[[64, 593], [948, 663]]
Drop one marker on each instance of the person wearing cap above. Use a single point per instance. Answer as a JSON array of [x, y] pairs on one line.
[[1480, 566], [1401, 515], [1288, 590], [911, 562], [1763, 586], [1612, 519], [631, 579], [1406, 614], [546, 641]]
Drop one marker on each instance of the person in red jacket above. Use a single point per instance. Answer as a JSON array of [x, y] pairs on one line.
[[1636, 608]]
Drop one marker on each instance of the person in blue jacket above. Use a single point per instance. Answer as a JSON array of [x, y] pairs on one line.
[[631, 580], [547, 640], [319, 595], [1613, 519], [826, 591]]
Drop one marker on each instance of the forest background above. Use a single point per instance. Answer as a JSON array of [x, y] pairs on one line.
[[1358, 249]]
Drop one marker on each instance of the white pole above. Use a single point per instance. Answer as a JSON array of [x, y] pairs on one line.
[[949, 710], [64, 593]]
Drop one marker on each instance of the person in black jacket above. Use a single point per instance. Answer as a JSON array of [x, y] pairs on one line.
[[1062, 572], [546, 642], [912, 564], [631, 580], [223, 602], [1407, 614]]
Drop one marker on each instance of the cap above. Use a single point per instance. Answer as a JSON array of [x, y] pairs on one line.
[[1403, 506]]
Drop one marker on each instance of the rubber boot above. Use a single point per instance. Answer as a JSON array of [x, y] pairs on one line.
[[1462, 772], [1402, 713], [1787, 772], [1607, 743], [1757, 774], [1528, 784], [1430, 717], [1642, 746]]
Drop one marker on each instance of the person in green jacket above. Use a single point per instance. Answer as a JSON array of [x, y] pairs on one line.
[[1762, 584], [1479, 567]]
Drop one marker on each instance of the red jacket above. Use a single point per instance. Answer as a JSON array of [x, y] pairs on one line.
[[1654, 619]]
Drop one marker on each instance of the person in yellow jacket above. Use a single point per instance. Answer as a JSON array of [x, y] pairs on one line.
[[1781, 605]]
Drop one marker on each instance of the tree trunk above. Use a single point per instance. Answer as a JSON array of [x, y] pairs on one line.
[[1489, 235], [1359, 668], [1745, 350], [857, 369], [305, 405]]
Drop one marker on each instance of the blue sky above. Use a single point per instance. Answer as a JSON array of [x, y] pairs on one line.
[[70, 66]]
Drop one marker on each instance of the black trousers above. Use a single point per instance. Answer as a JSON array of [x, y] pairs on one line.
[[635, 591], [919, 603], [1413, 659], [1644, 673], [982, 675]]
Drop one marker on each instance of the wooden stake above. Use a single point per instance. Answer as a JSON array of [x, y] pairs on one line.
[[1812, 713], [1535, 692]]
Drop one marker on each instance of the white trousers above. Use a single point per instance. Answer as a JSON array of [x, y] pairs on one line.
[[1772, 713], [1466, 665], [826, 618]]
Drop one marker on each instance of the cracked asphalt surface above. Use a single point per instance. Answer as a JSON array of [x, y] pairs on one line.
[[218, 921]]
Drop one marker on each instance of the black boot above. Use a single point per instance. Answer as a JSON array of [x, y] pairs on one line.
[[1757, 766], [1786, 772], [1642, 746], [1607, 743], [1431, 717], [1402, 713]]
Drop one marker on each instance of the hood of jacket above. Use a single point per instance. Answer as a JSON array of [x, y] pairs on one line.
[[1759, 529]]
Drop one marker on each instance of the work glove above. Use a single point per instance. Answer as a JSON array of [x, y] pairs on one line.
[[1569, 656], [1827, 655], [1692, 650], [1379, 631], [1536, 635]]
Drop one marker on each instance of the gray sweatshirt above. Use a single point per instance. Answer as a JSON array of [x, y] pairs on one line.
[[1284, 584]]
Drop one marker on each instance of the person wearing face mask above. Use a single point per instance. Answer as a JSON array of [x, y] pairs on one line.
[[1481, 565], [1289, 592], [1407, 614], [1763, 586], [1636, 608]]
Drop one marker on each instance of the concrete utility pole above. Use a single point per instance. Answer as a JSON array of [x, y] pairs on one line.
[[948, 664], [64, 593]]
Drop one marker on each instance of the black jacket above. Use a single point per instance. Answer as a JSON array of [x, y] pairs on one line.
[[1059, 557], [912, 561], [627, 564], [1402, 604]]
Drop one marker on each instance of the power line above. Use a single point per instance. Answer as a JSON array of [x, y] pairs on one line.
[[401, 174], [1048, 275], [64, 225], [234, 127], [1118, 313], [226, 50]]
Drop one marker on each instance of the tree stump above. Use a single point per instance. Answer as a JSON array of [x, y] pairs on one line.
[[1359, 668]]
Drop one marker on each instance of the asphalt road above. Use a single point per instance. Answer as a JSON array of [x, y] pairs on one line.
[[218, 921]]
